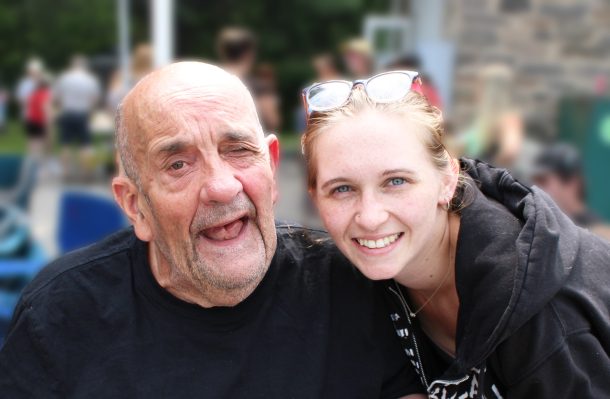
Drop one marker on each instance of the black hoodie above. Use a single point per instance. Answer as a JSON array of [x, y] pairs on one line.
[[534, 291]]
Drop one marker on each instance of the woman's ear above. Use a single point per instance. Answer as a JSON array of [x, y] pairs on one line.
[[127, 195], [449, 182]]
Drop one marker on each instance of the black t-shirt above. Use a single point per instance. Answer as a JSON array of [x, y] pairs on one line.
[[96, 324]]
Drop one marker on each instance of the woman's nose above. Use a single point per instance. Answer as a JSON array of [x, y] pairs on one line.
[[372, 213]]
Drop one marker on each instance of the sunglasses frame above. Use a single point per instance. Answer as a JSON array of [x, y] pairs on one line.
[[413, 75]]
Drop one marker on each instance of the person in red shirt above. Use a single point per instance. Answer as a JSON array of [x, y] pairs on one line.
[[424, 86], [37, 117]]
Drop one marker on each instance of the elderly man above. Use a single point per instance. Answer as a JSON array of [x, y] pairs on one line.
[[204, 296]]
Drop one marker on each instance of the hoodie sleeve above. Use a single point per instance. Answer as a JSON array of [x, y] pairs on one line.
[[578, 369], [548, 359]]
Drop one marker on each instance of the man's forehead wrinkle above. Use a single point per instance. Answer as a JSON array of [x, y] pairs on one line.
[[227, 112], [169, 98]]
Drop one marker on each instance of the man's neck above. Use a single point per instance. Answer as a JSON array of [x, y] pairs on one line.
[[191, 291]]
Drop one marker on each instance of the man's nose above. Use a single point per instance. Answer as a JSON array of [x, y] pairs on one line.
[[220, 185], [372, 213]]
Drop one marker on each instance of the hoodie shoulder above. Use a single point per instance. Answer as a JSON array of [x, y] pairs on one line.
[[519, 252]]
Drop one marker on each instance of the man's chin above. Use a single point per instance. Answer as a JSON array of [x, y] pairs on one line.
[[230, 287]]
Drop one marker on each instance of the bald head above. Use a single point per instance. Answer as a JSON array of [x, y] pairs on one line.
[[154, 104]]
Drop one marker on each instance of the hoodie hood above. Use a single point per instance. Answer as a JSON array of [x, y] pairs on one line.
[[514, 253]]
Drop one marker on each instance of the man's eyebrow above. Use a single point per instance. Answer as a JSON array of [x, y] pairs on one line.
[[171, 147], [236, 135]]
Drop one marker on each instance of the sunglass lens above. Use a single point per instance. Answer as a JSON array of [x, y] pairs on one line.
[[328, 95], [389, 87]]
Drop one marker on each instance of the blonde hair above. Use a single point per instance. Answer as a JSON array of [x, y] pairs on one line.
[[413, 106]]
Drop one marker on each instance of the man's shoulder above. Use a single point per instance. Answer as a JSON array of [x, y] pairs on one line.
[[94, 260], [304, 242], [297, 233], [312, 251]]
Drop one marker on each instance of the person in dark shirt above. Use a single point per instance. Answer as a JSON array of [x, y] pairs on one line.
[[204, 296], [558, 170]]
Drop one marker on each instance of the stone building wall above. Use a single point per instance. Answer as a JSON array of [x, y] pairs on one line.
[[555, 48]]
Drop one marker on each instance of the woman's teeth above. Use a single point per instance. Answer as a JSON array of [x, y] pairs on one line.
[[380, 243]]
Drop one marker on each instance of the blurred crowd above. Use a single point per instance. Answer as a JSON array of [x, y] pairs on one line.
[[64, 113], [61, 112]]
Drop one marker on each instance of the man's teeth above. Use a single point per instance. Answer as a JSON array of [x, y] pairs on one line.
[[226, 232], [380, 243]]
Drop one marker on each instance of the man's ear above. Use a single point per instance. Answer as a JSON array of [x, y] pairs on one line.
[[127, 195], [274, 158]]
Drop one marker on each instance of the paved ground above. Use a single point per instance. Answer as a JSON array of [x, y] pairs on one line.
[[45, 201]]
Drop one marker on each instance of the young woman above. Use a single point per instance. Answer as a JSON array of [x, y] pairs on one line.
[[495, 293]]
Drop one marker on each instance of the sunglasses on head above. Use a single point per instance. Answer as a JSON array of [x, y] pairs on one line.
[[385, 87]]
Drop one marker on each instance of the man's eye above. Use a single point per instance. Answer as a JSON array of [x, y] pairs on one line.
[[239, 150], [342, 189], [177, 165], [397, 181]]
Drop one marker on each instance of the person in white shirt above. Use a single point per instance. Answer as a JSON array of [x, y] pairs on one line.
[[76, 93]]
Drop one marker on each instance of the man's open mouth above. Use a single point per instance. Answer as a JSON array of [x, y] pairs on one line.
[[227, 231]]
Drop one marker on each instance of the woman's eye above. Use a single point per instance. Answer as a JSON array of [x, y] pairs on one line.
[[342, 189], [177, 165], [397, 181]]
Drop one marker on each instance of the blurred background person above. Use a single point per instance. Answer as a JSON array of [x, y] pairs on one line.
[[325, 67], [263, 86], [38, 116], [4, 97], [497, 133], [34, 69], [141, 64], [358, 58], [411, 62], [76, 93], [237, 48], [558, 170]]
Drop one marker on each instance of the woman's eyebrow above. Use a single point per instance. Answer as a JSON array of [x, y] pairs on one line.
[[334, 181], [399, 170]]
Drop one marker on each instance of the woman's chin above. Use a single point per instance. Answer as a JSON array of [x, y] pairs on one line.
[[377, 272]]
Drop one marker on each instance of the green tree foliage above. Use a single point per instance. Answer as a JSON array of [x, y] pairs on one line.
[[289, 32], [53, 30]]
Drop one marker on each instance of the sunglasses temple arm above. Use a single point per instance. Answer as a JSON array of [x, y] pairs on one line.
[[305, 106]]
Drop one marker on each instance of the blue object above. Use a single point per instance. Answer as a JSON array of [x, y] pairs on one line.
[[17, 178], [14, 231], [15, 274], [85, 218]]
